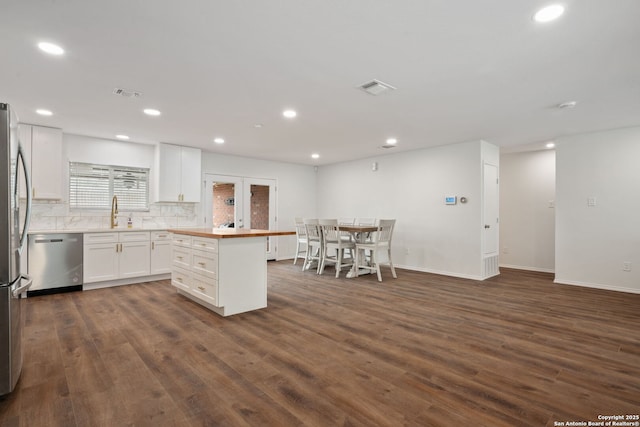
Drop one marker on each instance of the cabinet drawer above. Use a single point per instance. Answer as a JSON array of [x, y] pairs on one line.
[[205, 263], [181, 257], [182, 240], [90, 238], [134, 236], [207, 290], [204, 244], [180, 279], [158, 236]]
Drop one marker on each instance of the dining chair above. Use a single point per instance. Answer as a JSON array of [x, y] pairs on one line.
[[334, 246], [380, 241], [301, 241], [366, 221], [314, 244], [344, 234]]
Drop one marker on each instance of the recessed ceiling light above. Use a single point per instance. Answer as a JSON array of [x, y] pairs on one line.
[[44, 112], [151, 112], [392, 141], [550, 145], [218, 140], [315, 156], [50, 48], [568, 104], [549, 13], [289, 114], [122, 136]]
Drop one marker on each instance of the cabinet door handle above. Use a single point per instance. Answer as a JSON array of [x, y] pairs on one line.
[[201, 288], [202, 264], [153, 245]]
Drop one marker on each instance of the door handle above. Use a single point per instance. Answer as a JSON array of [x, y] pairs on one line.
[[23, 288], [27, 184]]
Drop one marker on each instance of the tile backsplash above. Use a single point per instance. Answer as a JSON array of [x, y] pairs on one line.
[[53, 215]]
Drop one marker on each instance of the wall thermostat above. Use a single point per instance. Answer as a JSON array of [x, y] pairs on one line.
[[450, 200]]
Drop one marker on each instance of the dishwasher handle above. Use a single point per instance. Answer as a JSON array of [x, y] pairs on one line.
[[55, 240], [48, 240]]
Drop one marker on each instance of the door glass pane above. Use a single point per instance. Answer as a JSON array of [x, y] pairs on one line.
[[224, 205], [260, 208]]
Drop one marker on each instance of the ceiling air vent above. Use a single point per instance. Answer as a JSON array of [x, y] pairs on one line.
[[375, 87], [127, 93]]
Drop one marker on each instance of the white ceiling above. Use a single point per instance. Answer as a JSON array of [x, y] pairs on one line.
[[464, 70]]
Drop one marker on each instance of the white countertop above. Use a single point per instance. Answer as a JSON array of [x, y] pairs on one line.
[[94, 230]]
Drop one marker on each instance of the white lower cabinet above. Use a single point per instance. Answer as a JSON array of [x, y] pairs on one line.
[[135, 259], [100, 257], [195, 266], [227, 275], [160, 252], [121, 255]]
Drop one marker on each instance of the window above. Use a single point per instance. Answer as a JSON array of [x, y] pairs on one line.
[[93, 186]]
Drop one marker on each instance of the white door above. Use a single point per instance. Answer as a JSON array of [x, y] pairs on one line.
[[223, 201], [491, 210], [242, 202]]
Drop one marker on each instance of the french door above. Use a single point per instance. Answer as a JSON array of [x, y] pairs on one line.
[[241, 202]]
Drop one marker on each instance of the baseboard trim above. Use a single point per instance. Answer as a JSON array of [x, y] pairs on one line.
[[441, 272], [527, 268], [122, 282], [561, 281]]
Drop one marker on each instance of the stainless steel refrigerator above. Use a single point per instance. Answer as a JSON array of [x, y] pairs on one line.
[[12, 243]]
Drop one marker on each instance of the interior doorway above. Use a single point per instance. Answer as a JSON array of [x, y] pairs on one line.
[[241, 202]]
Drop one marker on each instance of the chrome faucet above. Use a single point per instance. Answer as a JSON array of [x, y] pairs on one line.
[[114, 212]]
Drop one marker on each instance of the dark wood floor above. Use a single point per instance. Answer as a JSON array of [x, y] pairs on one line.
[[422, 350]]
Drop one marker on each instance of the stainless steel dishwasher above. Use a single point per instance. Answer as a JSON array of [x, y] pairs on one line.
[[55, 262]]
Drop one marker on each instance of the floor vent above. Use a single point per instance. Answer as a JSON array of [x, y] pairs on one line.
[[491, 267], [375, 87]]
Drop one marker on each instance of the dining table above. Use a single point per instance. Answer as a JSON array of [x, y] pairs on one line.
[[360, 233]]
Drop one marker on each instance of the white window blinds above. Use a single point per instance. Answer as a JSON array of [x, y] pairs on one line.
[[93, 186]]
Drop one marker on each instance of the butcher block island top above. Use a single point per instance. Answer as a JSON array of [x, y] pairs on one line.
[[222, 269], [226, 233]]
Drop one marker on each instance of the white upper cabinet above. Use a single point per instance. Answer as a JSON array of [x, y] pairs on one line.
[[178, 173], [43, 151]]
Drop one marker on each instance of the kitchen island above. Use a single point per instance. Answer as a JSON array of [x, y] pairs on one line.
[[223, 269]]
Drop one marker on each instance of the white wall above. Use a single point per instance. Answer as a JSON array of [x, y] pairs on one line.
[[593, 242], [527, 215], [296, 188], [411, 187]]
